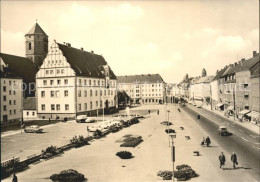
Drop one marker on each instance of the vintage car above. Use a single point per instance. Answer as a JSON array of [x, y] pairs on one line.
[[222, 131], [81, 118], [33, 129]]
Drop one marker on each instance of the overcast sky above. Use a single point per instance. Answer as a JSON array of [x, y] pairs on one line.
[[171, 38]]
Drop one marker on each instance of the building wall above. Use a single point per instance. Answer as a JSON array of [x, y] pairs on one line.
[[11, 100], [29, 114], [144, 92], [243, 90], [254, 97], [214, 90]]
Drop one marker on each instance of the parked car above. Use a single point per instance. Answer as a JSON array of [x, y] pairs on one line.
[[33, 129], [194, 103], [95, 128], [91, 120], [190, 102], [222, 131], [81, 118]]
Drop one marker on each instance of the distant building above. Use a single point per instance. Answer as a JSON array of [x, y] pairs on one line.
[[11, 96], [143, 89], [74, 82], [29, 108]]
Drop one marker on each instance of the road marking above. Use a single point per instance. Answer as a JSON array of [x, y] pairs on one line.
[[253, 136], [241, 130], [232, 125], [244, 139]]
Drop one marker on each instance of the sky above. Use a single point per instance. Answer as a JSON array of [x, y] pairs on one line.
[[170, 38]]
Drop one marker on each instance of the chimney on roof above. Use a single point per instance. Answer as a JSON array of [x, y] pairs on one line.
[[92, 52], [243, 59], [68, 44], [82, 48], [254, 53]]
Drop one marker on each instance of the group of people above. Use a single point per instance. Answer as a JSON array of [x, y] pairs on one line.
[[205, 141], [222, 159]]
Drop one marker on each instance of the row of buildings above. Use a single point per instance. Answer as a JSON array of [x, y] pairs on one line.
[[234, 89], [63, 82]]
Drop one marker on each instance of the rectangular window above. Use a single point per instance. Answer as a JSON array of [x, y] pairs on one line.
[[90, 105], [66, 82], [4, 88], [89, 82], [85, 82], [57, 107], [14, 101], [14, 92], [4, 98], [79, 81], [90, 93], [42, 93], [58, 82], [52, 93], [43, 107], [51, 82], [10, 92], [51, 71], [67, 107], [10, 112], [10, 83], [79, 107], [85, 106], [94, 82], [96, 93], [85, 93], [101, 104], [79, 93], [62, 71], [100, 92], [14, 111], [44, 82], [58, 71], [27, 113], [52, 107], [57, 94], [10, 102], [33, 113], [4, 108], [66, 93], [47, 72], [96, 103]]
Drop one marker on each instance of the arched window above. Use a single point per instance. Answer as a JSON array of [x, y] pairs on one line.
[[30, 45]]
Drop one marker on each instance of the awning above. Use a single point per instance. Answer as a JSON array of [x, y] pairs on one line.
[[254, 114], [230, 108], [245, 111], [219, 105]]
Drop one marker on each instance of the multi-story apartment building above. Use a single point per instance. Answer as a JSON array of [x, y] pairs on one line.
[[11, 95], [143, 88], [215, 90], [73, 82], [254, 99], [243, 87]]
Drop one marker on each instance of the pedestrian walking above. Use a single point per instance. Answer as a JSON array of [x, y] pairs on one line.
[[149, 111], [202, 141], [158, 112], [234, 159], [222, 159], [208, 141], [14, 178]]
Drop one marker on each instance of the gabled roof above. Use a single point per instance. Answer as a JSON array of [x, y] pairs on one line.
[[149, 78], [205, 79], [85, 63], [247, 64], [20, 66], [29, 103], [36, 29], [255, 70], [220, 73]]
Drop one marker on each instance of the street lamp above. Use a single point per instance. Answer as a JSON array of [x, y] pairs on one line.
[[173, 135]]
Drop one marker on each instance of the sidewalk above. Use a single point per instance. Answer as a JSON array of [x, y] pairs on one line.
[[98, 161], [248, 125]]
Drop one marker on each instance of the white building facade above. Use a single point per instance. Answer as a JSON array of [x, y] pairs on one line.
[[73, 82]]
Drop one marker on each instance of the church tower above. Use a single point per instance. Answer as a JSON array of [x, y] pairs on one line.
[[36, 45]]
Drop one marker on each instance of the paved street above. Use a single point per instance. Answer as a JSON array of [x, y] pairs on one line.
[[243, 141], [98, 161]]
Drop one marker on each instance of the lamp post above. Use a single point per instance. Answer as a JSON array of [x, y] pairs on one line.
[[173, 154]]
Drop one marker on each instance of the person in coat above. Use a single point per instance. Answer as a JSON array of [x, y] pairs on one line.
[[14, 178], [158, 112], [208, 141], [202, 141], [222, 159], [234, 159]]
